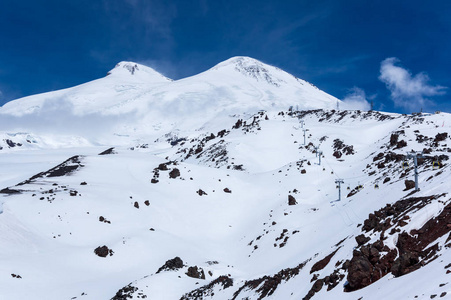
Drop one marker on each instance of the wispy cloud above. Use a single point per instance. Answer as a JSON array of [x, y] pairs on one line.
[[142, 24], [408, 91], [356, 99], [165, 67]]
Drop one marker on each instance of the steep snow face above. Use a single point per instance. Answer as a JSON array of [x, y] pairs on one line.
[[135, 99]]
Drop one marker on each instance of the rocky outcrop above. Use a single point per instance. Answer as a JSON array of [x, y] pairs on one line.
[[370, 262], [223, 282], [195, 272], [171, 265]]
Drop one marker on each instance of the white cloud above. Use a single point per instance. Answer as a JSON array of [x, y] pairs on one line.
[[57, 117], [356, 99], [408, 91]]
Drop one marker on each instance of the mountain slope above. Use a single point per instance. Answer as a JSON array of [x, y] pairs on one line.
[[219, 200], [126, 81]]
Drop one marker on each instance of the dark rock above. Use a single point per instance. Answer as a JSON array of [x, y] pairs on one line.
[[317, 286], [171, 265], [136, 204], [361, 239], [201, 192], [163, 167], [222, 133], [147, 203], [208, 290], [291, 200], [83, 183], [227, 190], [378, 157], [401, 144], [238, 124], [303, 171], [359, 272], [153, 180], [195, 272], [103, 251], [9, 191], [405, 263], [337, 154], [174, 173], [108, 151], [125, 293], [266, 285], [410, 184], [11, 144], [322, 263], [441, 137], [394, 139]]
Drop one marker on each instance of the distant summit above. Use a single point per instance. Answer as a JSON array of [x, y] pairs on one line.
[[151, 101], [127, 68], [252, 68]]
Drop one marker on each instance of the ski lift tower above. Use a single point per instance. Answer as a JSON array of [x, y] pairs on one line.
[[415, 155], [316, 150], [319, 157], [304, 134], [338, 182]]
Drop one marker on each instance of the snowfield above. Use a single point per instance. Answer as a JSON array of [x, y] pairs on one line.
[[135, 186]]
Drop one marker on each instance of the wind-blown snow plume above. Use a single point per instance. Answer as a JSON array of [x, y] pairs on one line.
[[410, 92], [356, 99]]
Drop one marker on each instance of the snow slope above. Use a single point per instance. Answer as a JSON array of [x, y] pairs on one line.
[[139, 187], [226, 216]]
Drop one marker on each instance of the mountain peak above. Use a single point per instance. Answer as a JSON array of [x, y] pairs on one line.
[[128, 68], [242, 63], [253, 68]]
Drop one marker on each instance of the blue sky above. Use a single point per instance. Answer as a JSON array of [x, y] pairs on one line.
[[394, 53]]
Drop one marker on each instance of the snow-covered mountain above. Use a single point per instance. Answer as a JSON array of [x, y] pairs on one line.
[[136, 100], [221, 186]]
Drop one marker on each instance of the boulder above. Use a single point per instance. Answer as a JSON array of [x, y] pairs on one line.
[[291, 200], [410, 184]]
